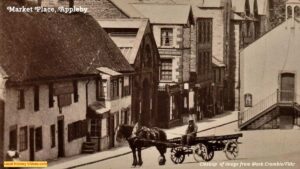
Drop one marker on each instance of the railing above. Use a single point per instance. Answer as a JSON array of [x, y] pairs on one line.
[[283, 96], [258, 108]]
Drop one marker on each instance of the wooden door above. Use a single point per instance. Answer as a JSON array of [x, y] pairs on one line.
[[60, 137], [111, 129], [287, 87], [31, 144]]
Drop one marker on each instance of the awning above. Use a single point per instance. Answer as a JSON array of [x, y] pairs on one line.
[[97, 109]]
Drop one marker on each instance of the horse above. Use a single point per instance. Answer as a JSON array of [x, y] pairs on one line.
[[140, 141]]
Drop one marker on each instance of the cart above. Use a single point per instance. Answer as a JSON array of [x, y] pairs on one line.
[[203, 148]]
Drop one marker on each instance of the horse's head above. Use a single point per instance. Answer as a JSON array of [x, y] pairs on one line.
[[123, 132]]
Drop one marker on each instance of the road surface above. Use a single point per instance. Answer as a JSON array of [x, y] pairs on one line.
[[259, 149]]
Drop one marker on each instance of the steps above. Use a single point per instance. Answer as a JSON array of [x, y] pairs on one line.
[[267, 114], [268, 120], [88, 148]]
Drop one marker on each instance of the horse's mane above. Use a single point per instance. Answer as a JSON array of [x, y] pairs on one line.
[[126, 129]]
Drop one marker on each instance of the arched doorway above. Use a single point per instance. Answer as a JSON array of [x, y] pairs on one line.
[[146, 112]]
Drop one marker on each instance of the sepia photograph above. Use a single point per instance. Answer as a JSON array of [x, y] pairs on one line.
[[153, 84]]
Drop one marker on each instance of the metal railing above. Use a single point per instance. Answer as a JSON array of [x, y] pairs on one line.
[[279, 96], [258, 108]]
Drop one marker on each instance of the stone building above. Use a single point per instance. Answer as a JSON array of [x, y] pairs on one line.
[[136, 41], [210, 44], [269, 81], [48, 81]]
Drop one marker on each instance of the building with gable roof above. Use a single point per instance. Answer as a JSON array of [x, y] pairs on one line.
[[50, 83], [172, 35], [136, 41], [269, 82]]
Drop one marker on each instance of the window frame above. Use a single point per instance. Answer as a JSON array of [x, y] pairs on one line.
[[21, 99], [169, 35], [166, 70], [23, 139]]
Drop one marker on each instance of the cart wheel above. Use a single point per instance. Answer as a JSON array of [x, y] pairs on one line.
[[231, 150], [177, 155], [203, 153]]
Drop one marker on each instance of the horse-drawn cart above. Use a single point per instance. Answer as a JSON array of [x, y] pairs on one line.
[[204, 147], [201, 148]]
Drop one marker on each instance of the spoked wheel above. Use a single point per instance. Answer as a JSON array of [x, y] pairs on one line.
[[177, 155], [202, 152], [231, 150]]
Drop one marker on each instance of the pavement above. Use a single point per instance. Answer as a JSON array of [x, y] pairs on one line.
[[205, 125]]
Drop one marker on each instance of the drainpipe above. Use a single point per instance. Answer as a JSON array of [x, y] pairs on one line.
[[87, 101]]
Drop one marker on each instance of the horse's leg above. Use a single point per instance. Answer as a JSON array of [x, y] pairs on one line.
[[140, 162], [162, 150], [133, 149]]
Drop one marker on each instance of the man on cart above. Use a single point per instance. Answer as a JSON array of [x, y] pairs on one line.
[[190, 133]]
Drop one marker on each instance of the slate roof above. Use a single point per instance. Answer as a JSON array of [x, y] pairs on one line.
[[36, 46], [129, 45], [128, 9], [169, 13]]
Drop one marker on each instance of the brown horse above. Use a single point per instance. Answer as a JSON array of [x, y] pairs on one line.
[[145, 137]]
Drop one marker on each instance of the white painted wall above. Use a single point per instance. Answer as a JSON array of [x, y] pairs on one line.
[[261, 63], [45, 117]]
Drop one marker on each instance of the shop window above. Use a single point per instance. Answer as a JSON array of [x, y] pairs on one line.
[[166, 69], [23, 138], [38, 138], [166, 36], [95, 127], [77, 130], [21, 99]]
